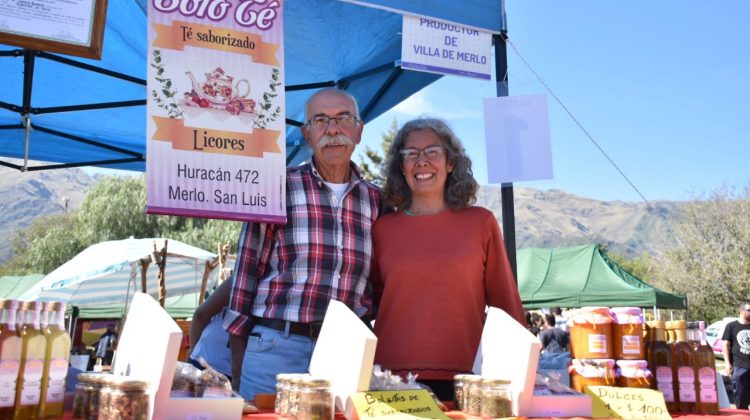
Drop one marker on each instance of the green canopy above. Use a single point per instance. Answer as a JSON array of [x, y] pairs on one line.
[[584, 276], [176, 306], [11, 287]]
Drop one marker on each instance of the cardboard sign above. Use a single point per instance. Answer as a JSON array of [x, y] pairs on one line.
[[344, 352], [517, 361], [627, 403], [405, 404]]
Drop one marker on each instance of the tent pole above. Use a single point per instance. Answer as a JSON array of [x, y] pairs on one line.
[[506, 190]]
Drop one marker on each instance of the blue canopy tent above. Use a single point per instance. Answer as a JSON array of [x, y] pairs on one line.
[[71, 111]]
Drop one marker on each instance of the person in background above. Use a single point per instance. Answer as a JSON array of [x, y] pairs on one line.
[[737, 356], [438, 261], [106, 344], [208, 338], [553, 338], [286, 275], [536, 323]]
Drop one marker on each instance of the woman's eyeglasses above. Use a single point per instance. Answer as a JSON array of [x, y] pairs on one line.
[[430, 153]]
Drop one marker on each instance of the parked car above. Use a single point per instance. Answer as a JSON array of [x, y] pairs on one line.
[[714, 333]]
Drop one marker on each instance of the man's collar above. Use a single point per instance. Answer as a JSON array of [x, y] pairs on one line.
[[354, 172]]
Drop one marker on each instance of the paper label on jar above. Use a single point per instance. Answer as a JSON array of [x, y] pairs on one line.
[[664, 374], [666, 389], [708, 393], [686, 374], [55, 391], [8, 376], [631, 344], [597, 343], [32, 376], [687, 392], [706, 375]]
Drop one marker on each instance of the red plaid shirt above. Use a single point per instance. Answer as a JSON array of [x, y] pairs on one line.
[[323, 252]]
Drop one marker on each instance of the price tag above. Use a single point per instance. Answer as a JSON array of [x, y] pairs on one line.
[[627, 403], [405, 404]]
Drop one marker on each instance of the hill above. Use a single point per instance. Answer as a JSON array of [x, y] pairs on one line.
[[28, 195], [550, 218]]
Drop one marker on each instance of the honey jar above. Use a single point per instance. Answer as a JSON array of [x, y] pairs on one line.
[[627, 334], [591, 333], [633, 374], [591, 372]]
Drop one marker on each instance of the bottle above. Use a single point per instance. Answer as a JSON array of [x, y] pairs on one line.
[[705, 366], [56, 358], [10, 357], [684, 372], [661, 364], [28, 388]]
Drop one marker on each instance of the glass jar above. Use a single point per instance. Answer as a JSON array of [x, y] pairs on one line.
[[497, 398], [293, 396], [633, 374], [86, 397], [315, 399], [124, 397], [591, 372], [459, 383], [591, 333], [627, 334], [473, 395], [282, 393]]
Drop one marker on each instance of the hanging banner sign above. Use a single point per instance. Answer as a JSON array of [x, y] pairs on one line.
[[215, 140], [516, 129], [447, 48]]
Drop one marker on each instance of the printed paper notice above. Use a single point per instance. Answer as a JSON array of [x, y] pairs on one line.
[[442, 47], [57, 20], [216, 122]]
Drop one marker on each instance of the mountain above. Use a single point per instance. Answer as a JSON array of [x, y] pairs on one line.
[[550, 218], [554, 218], [28, 195]]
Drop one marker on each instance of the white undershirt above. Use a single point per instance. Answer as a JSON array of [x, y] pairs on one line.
[[338, 189]]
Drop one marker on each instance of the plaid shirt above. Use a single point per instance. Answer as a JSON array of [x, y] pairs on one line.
[[323, 252]]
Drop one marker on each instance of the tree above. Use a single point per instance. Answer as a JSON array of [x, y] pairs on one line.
[[710, 259], [112, 210], [374, 171]]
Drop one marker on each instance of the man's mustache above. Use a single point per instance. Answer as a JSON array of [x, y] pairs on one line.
[[337, 140]]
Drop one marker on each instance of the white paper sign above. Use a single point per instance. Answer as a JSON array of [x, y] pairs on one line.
[[447, 48], [518, 140], [515, 360], [344, 352]]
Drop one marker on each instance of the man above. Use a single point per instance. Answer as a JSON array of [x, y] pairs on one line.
[[737, 356], [286, 275], [105, 345], [553, 338]]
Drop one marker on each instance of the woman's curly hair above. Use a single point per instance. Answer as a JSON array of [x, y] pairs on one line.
[[460, 186]]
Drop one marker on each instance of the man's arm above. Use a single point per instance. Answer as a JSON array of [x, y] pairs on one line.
[[210, 307], [727, 351]]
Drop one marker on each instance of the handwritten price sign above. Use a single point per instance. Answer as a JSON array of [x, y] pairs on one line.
[[405, 404], [627, 403]]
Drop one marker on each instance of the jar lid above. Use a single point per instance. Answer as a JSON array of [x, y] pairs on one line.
[[125, 382], [491, 381], [592, 368], [679, 324], [634, 368], [473, 378], [628, 315], [590, 315], [632, 363], [659, 324], [315, 382], [460, 377], [92, 377], [55, 306], [31, 304]]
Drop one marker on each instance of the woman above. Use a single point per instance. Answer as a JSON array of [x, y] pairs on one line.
[[438, 261]]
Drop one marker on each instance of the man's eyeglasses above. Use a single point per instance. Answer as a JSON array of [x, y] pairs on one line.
[[430, 153], [343, 120]]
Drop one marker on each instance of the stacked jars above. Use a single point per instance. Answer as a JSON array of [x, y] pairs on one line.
[[600, 339]]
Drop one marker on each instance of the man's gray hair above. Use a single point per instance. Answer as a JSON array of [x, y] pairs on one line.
[[337, 92]]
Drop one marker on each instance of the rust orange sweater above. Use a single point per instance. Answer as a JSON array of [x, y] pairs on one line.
[[433, 276]]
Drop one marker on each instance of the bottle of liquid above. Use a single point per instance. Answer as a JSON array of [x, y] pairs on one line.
[[56, 359], [685, 373], [661, 364], [10, 357], [705, 366], [28, 388]]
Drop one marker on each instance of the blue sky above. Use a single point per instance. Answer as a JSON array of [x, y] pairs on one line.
[[662, 86]]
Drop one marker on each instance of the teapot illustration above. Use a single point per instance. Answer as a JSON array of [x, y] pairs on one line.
[[218, 88]]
